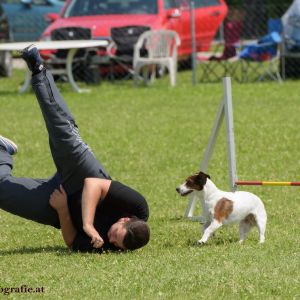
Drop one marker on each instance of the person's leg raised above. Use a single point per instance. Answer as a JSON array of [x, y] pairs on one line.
[[73, 158]]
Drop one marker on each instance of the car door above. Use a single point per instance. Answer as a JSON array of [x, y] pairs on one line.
[[172, 15], [186, 33], [209, 14], [178, 15]]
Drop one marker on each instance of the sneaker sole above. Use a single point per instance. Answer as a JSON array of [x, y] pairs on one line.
[[10, 143], [28, 48]]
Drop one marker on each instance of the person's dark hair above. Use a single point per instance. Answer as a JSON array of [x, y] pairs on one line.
[[137, 235]]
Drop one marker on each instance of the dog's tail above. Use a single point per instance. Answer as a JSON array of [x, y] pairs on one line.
[[261, 221]]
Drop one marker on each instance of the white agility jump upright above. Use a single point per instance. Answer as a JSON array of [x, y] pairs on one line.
[[225, 110]]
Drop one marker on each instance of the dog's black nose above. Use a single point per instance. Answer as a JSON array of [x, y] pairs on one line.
[[177, 190]]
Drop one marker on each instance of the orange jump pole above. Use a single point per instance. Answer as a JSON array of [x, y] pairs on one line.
[[270, 183]]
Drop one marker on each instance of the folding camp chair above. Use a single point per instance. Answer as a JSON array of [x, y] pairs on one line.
[[121, 49], [262, 58], [218, 65]]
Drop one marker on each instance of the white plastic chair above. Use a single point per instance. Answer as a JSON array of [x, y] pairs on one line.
[[161, 49]]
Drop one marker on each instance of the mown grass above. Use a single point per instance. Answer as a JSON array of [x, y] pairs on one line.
[[151, 138]]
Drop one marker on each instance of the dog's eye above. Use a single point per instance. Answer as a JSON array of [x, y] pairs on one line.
[[189, 182]]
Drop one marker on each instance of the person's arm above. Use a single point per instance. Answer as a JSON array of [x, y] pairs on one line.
[[93, 190], [58, 200]]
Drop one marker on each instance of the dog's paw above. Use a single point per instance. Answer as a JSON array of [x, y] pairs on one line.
[[200, 242]]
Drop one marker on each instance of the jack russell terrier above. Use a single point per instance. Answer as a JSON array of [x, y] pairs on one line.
[[221, 208]]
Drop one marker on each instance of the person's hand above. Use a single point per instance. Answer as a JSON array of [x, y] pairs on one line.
[[97, 240], [58, 199]]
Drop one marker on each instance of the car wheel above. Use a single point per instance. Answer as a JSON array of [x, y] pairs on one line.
[[185, 64], [5, 63]]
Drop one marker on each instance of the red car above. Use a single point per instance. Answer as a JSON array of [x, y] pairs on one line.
[[100, 16]]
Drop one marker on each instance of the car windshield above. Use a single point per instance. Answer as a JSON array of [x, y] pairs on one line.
[[110, 7]]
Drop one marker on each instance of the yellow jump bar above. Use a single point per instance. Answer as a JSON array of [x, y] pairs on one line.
[[271, 183]]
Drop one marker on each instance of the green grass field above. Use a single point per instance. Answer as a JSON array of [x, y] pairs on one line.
[[151, 138]]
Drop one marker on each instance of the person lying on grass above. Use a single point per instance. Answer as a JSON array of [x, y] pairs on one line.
[[92, 210]]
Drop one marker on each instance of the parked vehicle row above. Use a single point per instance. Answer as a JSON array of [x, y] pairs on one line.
[[26, 19], [100, 16]]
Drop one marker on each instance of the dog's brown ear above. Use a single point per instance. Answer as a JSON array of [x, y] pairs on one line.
[[201, 178], [203, 174]]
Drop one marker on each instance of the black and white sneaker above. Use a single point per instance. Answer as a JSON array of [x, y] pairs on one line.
[[8, 145], [33, 59]]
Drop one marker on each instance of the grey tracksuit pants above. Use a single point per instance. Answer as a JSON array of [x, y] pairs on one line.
[[29, 198]]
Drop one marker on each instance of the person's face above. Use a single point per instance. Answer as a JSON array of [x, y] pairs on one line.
[[117, 233]]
